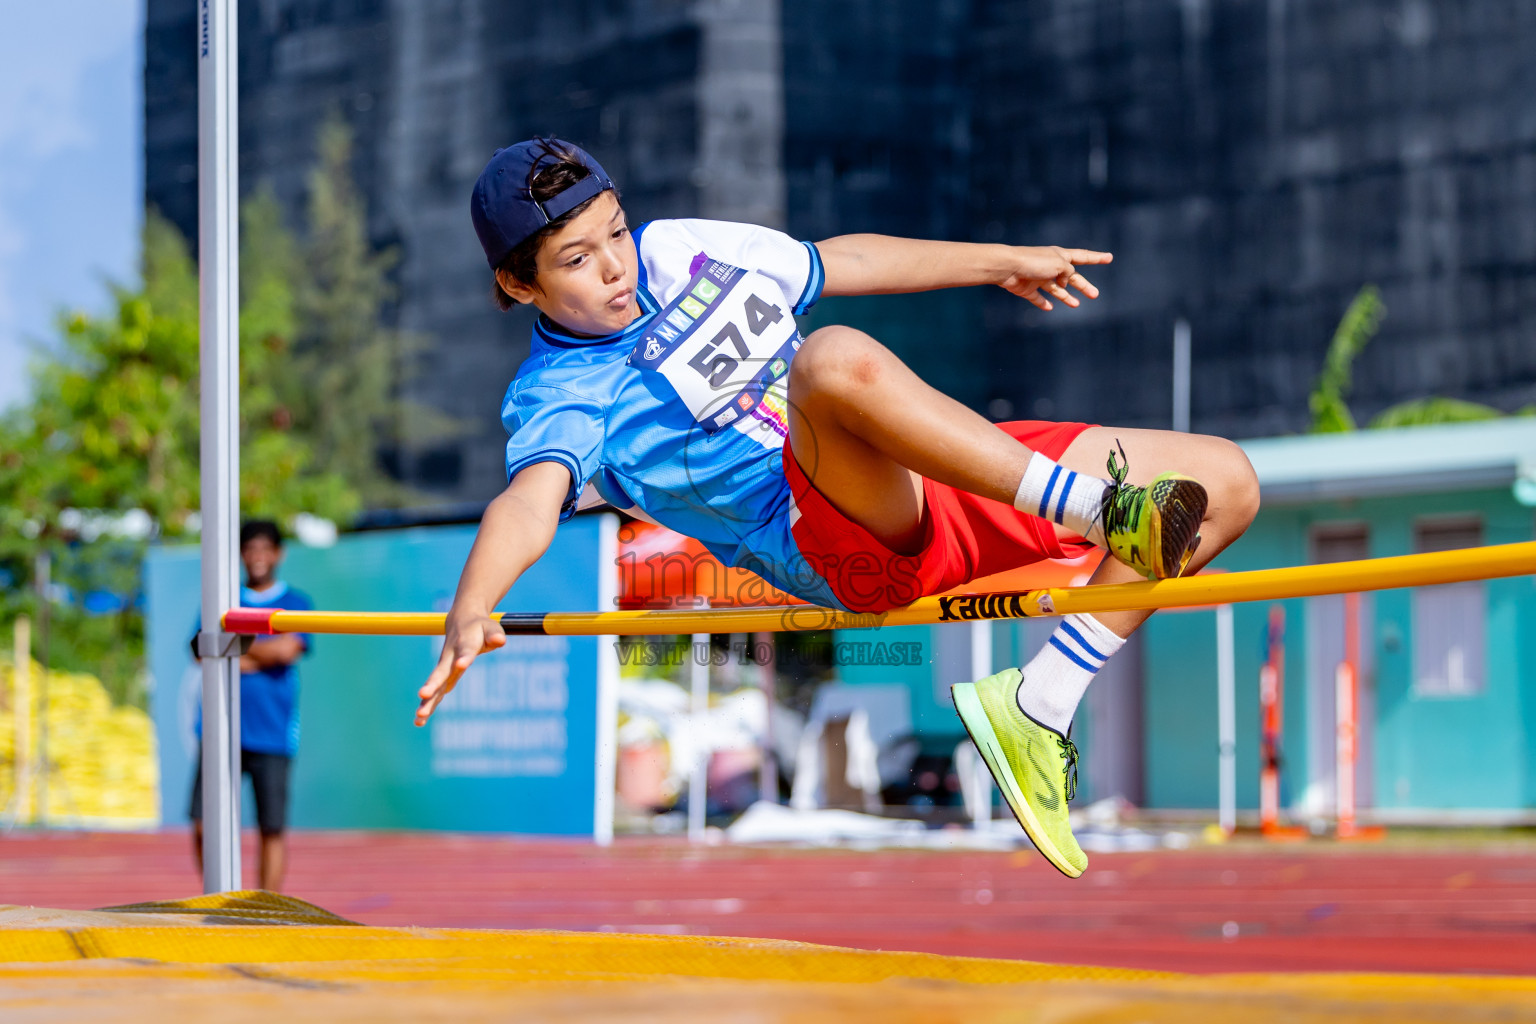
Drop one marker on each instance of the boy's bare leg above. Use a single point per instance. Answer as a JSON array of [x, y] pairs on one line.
[[866, 429], [1218, 464]]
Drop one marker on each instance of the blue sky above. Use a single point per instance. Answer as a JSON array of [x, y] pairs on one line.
[[70, 165]]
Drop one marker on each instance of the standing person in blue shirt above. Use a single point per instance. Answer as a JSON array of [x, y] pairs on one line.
[[269, 704], [667, 378]]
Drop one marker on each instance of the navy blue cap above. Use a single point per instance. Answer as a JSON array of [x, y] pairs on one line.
[[502, 206]]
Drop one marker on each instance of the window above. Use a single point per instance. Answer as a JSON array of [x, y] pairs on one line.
[[1450, 629], [1340, 542]]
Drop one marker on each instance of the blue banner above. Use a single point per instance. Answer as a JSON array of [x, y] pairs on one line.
[[512, 749]]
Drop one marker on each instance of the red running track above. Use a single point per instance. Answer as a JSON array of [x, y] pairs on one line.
[[1236, 908]]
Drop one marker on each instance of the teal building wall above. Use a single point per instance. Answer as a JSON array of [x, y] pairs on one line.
[[945, 660], [1428, 752], [510, 750]]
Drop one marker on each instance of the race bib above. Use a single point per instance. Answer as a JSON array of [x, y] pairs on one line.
[[722, 344]]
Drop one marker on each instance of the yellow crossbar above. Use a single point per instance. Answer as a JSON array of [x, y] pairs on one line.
[[1223, 588]]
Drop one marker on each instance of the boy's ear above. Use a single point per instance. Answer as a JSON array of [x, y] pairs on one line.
[[512, 286]]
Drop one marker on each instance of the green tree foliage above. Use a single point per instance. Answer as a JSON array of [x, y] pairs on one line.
[[1330, 411], [109, 429], [110, 440], [1361, 321], [282, 468], [113, 421], [346, 397], [110, 436], [1423, 412]]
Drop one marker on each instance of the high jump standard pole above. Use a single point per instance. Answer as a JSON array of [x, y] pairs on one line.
[[219, 456]]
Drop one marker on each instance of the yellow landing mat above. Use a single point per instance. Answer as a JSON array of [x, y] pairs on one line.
[[259, 957]]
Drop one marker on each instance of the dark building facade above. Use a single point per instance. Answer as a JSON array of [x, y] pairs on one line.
[[431, 88], [1252, 164]]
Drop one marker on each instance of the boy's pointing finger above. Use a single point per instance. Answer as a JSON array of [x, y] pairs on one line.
[[1087, 257]]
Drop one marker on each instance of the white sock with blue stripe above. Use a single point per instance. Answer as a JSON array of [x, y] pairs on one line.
[[1055, 681], [1055, 493]]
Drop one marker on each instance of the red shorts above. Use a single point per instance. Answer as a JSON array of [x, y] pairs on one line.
[[965, 536]]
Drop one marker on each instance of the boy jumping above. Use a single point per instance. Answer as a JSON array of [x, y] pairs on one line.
[[667, 378]]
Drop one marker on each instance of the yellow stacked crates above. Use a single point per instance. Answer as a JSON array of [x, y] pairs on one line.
[[102, 758]]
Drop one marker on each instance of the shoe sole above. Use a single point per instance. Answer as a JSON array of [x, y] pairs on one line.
[[979, 726], [1177, 520]]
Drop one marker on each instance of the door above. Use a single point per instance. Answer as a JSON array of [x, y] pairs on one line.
[[1337, 542]]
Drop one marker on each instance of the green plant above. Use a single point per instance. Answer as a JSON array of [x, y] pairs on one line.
[[1361, 321], [1330, 410], [345, 396], [1423, 412], [109, 438]]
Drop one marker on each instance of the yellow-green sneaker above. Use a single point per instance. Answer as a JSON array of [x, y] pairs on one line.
[[1035, 766], [1153, 529]]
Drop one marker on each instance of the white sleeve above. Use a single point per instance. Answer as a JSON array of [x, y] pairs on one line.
[[794, 266]]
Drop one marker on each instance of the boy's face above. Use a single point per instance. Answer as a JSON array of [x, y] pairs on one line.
[[261, 558], [587, 272]]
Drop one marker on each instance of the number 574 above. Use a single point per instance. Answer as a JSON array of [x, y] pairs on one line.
[[717, 366]]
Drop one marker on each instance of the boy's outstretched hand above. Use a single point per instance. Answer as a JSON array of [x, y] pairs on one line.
[[516, 529], [469, 635], [883, 265], [1052, 270]]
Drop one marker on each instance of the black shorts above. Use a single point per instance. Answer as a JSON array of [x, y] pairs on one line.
[[269, 778]]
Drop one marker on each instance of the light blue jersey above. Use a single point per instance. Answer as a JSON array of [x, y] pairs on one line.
[[681, 417]]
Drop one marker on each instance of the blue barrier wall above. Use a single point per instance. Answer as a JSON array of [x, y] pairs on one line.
[[513, 747]]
